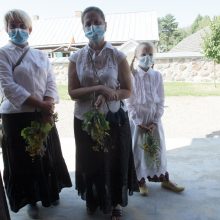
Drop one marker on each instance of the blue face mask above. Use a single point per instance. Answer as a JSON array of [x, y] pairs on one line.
[[146, 61], [18, 36], [95, 33]]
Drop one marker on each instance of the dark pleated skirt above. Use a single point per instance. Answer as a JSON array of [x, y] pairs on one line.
[[105, 179], [28, 181]]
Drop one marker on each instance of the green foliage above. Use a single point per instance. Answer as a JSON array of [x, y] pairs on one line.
[[169, 33], [168, 24], [211, 44], [199, 23], [183, 33], [97, 127], [151, 146], [35, 136], [63, 92], [191, 89]]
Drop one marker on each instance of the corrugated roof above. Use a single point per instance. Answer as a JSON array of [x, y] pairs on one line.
[[139, 26], [192, 43]]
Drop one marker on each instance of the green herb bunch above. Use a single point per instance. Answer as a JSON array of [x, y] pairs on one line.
[[152, 148], [35, 135], [97, 127]]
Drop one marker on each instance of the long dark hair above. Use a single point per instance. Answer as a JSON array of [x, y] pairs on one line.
[[94, 9]]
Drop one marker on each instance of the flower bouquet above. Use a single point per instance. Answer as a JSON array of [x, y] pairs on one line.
[[97, 127], [35, 135], [151, 146]]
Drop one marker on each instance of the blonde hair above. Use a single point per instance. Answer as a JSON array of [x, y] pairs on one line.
[[17, 14], [146, 44]]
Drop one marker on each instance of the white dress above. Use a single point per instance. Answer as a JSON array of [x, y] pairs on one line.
[[145, 106]]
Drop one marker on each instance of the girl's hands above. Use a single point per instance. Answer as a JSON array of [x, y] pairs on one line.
[[150, 128], [143, 127]]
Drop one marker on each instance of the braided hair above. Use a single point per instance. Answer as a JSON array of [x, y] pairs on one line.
[[146, 44]]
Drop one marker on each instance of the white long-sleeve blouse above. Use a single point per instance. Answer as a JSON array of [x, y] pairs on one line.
[[147, 98], [34, 76]]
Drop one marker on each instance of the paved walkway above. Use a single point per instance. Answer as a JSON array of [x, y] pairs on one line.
[[193, 151]]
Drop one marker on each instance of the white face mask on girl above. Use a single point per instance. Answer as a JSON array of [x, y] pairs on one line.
[[145, 61]]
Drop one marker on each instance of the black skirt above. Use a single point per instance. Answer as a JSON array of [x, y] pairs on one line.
[[28, 181], [105, 179]]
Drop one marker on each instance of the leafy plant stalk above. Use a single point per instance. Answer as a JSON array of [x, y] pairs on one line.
[[151, 146], [97, 127], [35, 135]]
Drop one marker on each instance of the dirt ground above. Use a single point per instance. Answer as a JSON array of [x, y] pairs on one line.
[[184, 117]]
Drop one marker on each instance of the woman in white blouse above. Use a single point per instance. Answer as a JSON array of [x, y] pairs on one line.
[[146, 107], [102, 179], [29, 91]]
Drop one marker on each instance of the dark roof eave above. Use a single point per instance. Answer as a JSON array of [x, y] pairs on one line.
[[49, 46]]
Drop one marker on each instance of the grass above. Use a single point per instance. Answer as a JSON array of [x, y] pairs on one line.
[[171, 89], [191, 89], [63, 92]]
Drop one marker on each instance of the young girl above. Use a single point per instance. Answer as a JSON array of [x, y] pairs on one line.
[[146, 107]]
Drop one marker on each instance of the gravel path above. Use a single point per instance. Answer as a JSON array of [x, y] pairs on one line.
[[184, 117]]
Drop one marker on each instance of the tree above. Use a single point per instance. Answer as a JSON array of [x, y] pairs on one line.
[[211, 43], [182, 33], [168, 32], [171, 35], [200, 22]]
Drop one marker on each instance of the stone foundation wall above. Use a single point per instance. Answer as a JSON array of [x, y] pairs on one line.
[[196, 69], [185, 69], [61, 71]]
